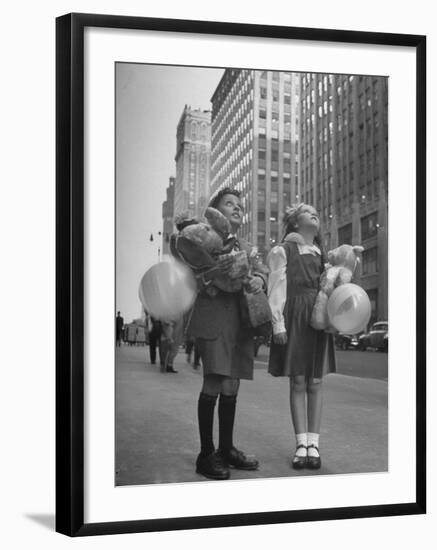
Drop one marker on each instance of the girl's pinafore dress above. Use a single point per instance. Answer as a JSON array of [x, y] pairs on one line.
[[308, 352]]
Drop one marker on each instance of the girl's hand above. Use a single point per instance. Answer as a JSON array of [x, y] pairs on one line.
[[253, 285], [280, 338]]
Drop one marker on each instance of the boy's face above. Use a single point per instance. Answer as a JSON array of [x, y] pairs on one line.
[[230, 206]]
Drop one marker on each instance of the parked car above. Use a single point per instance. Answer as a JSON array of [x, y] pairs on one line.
[[385, 345], [377, 337], [346, 341]]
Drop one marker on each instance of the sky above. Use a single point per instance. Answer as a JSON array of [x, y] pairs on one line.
[[149, 102]]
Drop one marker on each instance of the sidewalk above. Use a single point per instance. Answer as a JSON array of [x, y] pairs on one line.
[[156, 423]]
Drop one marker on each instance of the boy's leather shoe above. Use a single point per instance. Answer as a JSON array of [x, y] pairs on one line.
[[212, 466], [238, 460]]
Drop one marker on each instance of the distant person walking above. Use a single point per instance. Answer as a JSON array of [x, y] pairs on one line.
[[172, 337], [119, 324], [190, 346], [155, 334]]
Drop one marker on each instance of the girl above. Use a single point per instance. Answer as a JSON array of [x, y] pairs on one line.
[[298, 351]]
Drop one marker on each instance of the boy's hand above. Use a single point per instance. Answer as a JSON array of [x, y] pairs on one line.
[[224, 265], [280, 338], [254, 285]]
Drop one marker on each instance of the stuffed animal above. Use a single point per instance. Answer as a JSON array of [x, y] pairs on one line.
[[200, 244], [339, 270]]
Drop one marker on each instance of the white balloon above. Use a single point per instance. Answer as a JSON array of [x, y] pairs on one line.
[[167, 290], [349, 309]]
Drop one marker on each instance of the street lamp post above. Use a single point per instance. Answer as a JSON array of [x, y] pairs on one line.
[[152, 239]]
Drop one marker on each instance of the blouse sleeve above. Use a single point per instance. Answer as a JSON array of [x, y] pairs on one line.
[[277, 287]]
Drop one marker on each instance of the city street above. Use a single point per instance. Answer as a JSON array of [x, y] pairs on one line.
[[156, 419], [364, 364]]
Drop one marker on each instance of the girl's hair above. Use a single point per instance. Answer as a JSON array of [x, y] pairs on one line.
[[289, 223]]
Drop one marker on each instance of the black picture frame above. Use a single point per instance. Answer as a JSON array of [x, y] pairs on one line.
[[70, 273]]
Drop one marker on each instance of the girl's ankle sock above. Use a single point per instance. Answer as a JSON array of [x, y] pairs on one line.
[[301, 439], [313, 439]]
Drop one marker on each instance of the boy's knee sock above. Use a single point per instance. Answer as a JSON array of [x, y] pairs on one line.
[[205, 415], [226, 413]]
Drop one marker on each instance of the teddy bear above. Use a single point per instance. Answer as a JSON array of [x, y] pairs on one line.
[[200, 244], [342, 262]]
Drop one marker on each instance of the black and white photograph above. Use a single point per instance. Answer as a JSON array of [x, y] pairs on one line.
[[251, 274]]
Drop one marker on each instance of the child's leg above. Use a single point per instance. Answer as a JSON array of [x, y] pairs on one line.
[[226, 412], [297, 403], [298, 417], [207, 462], [205, 412], [315, 401]]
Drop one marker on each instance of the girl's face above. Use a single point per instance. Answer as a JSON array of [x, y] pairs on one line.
[[308, 219], [230, 206]]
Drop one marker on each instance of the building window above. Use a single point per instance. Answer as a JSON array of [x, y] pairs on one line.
[[369, 226], [262, 113], [373, 297], [370, 261], [261, 198], [274, 215], [345, 234], [263, 92], [361, 164]]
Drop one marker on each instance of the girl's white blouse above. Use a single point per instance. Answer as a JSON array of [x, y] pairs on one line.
[[277, 283]]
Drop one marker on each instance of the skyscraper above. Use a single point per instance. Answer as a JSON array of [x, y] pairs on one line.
[[168, 216], [193, 150], [253, 146], [343, 168]]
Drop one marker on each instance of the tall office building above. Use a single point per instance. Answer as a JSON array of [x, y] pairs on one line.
[[168, 216], [343, 168], [193, 150], [253, 146]]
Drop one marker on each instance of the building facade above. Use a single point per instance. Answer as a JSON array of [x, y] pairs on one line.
[[254, 147], [193, 151], [343, 169], [168, 213]]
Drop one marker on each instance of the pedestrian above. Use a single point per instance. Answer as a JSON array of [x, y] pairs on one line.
[[171, 339], [298, 351], [155, 333], [119, 324], [190, 346], [226, 350]]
